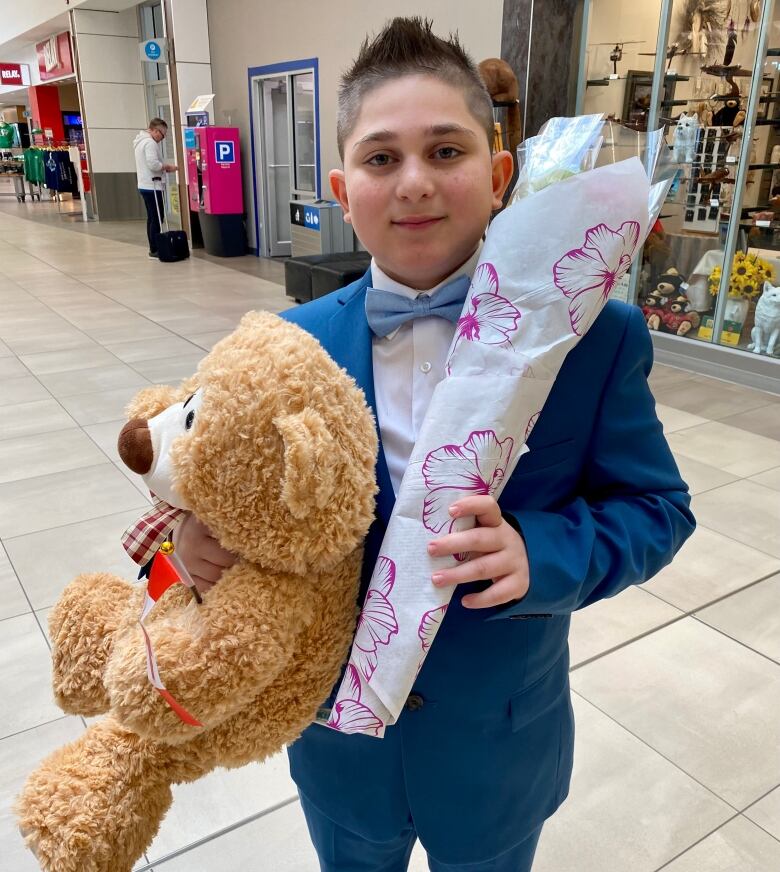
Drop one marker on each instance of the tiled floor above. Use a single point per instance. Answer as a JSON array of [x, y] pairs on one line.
[[676, 684]]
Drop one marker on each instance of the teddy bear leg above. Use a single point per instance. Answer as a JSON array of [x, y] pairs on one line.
[[82, 627], [96, 804]]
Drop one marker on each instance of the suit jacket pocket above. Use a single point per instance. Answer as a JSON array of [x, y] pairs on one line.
[[538, 698], [544, 456]]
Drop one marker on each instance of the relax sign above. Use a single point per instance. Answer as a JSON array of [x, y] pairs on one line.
[[14, 74]]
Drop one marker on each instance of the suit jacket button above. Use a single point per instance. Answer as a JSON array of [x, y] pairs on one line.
[[414, 702]]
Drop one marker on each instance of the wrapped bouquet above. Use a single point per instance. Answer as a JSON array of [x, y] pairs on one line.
[[575, 223]]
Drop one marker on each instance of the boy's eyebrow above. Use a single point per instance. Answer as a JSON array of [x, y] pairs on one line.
[[435, 130]]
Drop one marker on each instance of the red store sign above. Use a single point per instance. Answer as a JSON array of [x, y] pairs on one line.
[[14, 74], [54, 57]]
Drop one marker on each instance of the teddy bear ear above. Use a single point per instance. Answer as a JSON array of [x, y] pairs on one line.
[[309, 454], [153, 400]]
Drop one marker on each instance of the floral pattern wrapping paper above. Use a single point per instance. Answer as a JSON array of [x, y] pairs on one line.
[[546, 269]]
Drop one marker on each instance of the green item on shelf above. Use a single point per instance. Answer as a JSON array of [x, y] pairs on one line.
[[33, 165], [7, 135]]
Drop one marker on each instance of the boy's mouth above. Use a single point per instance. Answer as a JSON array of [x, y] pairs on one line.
[[418, 222]]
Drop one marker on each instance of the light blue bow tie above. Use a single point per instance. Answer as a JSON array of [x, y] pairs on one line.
[[387, 311]]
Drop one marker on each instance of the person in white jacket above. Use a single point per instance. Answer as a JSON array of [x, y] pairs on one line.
[[148, 164]]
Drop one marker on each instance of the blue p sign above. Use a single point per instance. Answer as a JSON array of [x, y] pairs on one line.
[[224, 151]]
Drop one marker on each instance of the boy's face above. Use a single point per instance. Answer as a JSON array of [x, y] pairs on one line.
[[419, 181]]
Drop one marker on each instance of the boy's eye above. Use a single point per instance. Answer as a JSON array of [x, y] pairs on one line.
[[447, 152], [379, 160]]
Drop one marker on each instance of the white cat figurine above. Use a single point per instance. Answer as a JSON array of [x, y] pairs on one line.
[[766, 333], [684, 143]]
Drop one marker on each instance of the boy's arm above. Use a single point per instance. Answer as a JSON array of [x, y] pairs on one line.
[[633, 514]]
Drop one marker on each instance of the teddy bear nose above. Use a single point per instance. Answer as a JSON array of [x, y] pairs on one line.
[[135, 446]]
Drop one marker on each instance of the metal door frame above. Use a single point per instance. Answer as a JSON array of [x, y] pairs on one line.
[[254, 77]]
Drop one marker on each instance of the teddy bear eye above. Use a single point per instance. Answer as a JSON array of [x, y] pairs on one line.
[[189, 420]]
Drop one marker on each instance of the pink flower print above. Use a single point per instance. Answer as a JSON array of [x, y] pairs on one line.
[[595, 268], [429, 626], [531, 424], [452, 471], [351, 716], [377, 621], [489, 318]]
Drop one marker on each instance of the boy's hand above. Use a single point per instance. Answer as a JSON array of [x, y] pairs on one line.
[[200, 552], [497, 553]]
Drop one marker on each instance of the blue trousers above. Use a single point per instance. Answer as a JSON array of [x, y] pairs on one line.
[[340, 850]]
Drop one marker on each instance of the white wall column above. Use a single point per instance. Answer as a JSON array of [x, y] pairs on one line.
[[113, 105]]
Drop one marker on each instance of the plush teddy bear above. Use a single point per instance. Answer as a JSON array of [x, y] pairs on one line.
[[678, 319], [654, 309], [272, 446], [501, 83], [669, 283]]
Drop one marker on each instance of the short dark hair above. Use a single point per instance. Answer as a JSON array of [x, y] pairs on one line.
[[158, 124], [408, 46]]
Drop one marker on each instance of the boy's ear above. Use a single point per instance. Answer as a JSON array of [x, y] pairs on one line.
[[338, 184], [503, 168]]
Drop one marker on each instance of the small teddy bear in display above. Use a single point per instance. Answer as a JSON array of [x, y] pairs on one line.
[[669, 283], [273, 447], [678, 319], [653, 309]]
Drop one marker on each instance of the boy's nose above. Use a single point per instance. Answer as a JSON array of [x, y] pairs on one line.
[[414, 181]]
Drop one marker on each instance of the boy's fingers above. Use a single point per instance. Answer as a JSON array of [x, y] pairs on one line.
[[202, 584], [479, 539], [483, 507], [213, 552], [482, 568], [203, 569], [498, 594]]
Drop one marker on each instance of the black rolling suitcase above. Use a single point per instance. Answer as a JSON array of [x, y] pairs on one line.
[[172, 244]]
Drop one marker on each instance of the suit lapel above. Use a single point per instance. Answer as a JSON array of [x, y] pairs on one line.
[[349, 341]]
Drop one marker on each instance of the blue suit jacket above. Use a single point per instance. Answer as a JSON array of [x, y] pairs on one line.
[[601, 505]]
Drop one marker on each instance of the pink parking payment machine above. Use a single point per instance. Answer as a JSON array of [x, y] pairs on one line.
[[215, 189]]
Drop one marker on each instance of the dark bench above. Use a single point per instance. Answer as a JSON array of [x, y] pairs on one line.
[[314, 275]]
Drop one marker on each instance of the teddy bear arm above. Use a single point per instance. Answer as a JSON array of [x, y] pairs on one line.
[[82, 628], [214, 659]]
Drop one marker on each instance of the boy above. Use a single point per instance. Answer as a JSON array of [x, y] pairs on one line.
[[482, 754]]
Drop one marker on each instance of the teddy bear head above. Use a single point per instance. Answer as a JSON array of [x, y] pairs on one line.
[[669, 283], [270, 444]]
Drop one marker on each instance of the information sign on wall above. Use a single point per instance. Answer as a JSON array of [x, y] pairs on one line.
[[154, 51]]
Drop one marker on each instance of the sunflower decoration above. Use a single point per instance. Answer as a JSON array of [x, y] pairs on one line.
[[748, 274]]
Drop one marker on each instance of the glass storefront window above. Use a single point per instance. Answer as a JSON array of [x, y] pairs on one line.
[[706, 264]]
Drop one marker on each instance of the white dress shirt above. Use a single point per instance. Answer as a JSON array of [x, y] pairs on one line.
[[408, 364]]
